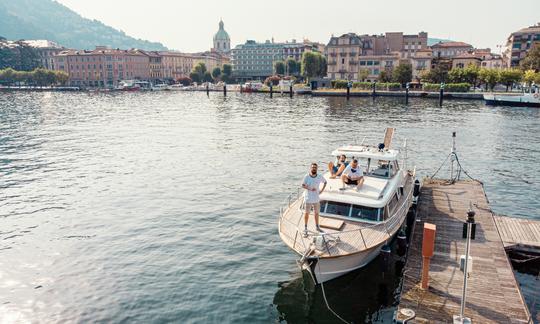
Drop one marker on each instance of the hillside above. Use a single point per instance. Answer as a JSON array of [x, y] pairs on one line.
[[47, 19]]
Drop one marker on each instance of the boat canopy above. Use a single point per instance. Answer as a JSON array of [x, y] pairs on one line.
[[367, 152]]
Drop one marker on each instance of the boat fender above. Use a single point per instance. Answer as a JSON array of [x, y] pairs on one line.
[[536, 95], [416, 191]]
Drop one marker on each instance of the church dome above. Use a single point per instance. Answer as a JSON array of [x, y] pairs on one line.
[[221, 34]]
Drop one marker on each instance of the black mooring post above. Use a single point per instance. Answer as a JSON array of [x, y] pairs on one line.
[[373, 86], [348, 91], [290, 91], [207, 89], [225, 89], [407, 94], [441, 94], [271, 91]]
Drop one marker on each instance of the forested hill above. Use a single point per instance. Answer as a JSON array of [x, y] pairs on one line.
[[47, 19]]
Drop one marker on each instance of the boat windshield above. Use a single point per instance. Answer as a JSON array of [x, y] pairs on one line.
[[379, 168], [350, 211]]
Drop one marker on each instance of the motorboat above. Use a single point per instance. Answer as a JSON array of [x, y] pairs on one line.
[[303, 90], [356, 223], [521, 100], [160, 87]]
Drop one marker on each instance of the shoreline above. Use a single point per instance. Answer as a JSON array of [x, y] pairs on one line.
[[314, 93]]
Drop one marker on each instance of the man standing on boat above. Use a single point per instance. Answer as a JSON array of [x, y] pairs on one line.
[[311, 183]]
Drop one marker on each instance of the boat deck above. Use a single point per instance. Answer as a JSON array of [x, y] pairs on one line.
[[493, 294], [353, 236]]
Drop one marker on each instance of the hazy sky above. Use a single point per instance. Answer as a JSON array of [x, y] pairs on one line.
[[190, 25]]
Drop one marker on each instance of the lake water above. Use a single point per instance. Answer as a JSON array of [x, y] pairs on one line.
[[162, 207]]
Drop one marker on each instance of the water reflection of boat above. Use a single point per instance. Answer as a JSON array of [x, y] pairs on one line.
[[357, 222], [364, 295]]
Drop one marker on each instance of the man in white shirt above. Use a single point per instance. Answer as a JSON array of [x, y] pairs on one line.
[[353, 174], [311, 183]]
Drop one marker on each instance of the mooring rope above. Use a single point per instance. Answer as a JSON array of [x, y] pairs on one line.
[[324, 296]]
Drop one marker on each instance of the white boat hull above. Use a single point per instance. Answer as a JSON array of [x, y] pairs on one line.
[[326, 269]]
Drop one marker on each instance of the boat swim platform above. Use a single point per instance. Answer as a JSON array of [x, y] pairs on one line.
[[493, 294]]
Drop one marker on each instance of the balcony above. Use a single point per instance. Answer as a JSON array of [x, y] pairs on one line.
[[353, 62], [353, 53], [342, 54], [333, 54], [332, 63], [342, 71]]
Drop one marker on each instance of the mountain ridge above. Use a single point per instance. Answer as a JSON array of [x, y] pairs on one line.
[[51, 20]]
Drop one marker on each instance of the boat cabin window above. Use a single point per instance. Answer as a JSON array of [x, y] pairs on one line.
[[337, 208], [351, 211], [365, 213]]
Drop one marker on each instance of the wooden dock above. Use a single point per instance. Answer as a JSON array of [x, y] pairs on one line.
[[493, 294], [519, 233]]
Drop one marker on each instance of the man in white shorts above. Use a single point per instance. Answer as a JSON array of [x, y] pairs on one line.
[[311, 183]]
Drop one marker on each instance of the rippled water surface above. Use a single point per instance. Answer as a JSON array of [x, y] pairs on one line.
[[144, 207]]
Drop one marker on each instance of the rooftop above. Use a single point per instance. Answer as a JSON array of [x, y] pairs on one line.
[[451, 44]]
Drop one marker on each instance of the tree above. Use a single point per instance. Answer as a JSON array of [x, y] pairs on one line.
[[384, 76], [40, 76], [313, 65], [279, 67], [363, 74], [7, 76], [226, 72], [195, 77], [402, 73], [470, 74], [529, 76], [436, 75], [323, 66], [216, 73], [532, 59], [200, 70], [61, 77], [292, 66], [456, 75], [207, 77], [489, 77], [509, 76]]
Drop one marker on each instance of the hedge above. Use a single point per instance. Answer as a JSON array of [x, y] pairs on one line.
[[342, 84], [450, 87]]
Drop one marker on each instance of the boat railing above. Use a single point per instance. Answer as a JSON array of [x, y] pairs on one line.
[[366, 233]]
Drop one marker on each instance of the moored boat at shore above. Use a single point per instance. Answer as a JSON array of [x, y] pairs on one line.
[[356, 222], [521, 100]]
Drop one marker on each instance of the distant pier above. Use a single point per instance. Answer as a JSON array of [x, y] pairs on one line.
[[493, 294]]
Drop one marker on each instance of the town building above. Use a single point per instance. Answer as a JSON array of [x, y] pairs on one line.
[[447, 50], [465, 59], [46, 50], [176, 64], [102, 67], [519, 43], [222, 41], [255, 61], [350, 54]]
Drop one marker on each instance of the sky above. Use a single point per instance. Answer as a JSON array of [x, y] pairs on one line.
[[189, 26]]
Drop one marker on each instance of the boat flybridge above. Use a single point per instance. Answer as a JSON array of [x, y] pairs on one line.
[[355, 222]]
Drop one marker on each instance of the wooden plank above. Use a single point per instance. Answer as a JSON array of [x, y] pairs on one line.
[[493, 294]]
